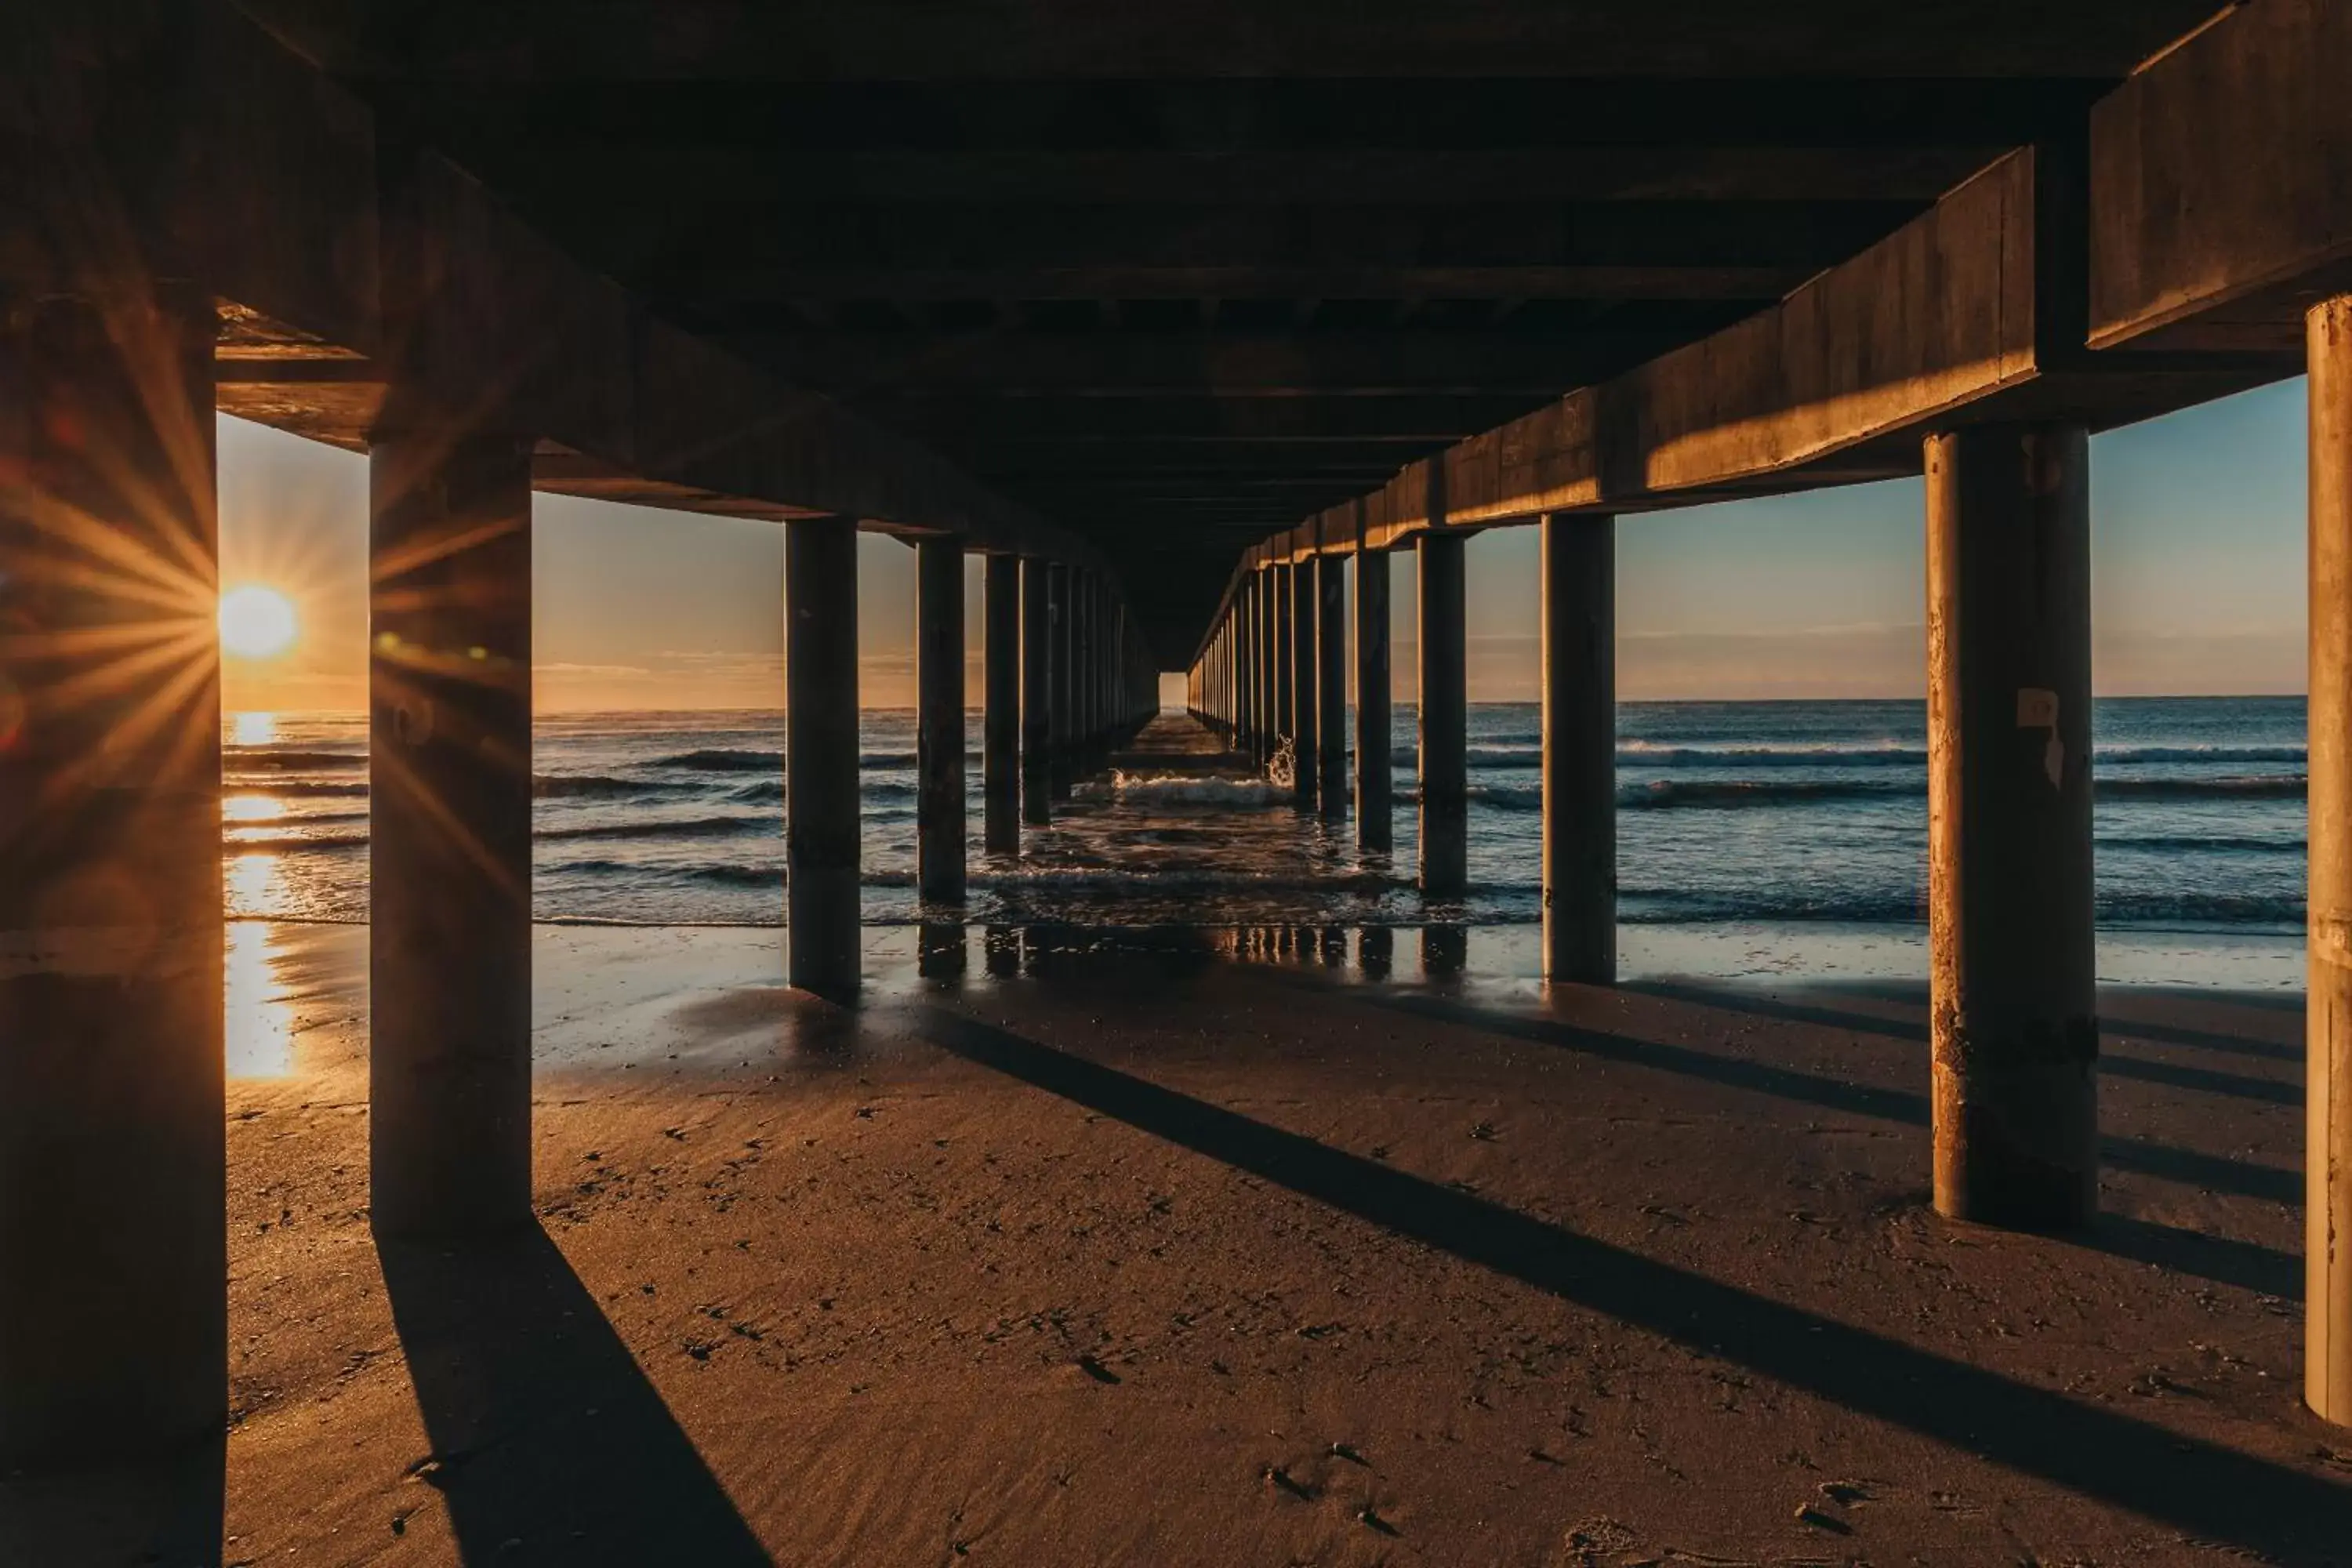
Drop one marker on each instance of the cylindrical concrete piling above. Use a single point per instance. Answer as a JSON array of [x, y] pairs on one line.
[[1444, 719], [2008, 826], [113, 1267], [1285, 664], [449, 808], [938, 721], [2328, 1091], [1036, 694], [1305, 618], [1331, 685], [1245, 669], [1269, 642], [1375, 783], [1000, 765], [821, 847], [1062, 648], [1580, 749]]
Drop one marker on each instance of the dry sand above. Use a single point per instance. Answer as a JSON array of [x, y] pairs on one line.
[[1154, 1257]]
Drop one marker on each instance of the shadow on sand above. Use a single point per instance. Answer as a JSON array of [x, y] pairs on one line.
[[2211, 1492], [2227, 1262], [549, 1444], [161, 1513]]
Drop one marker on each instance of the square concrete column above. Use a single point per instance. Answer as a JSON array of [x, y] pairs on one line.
[[113, 1270], [820, 818], [1444, 719], [2015, 1035], [1580, 749], [938, 721], [1331, 684], [1000, 765], [449, 779], [1305, 618], [1036, 694], [1375, 780], [2327, 1144]]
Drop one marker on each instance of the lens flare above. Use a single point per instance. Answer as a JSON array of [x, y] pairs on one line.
[[256, 622]]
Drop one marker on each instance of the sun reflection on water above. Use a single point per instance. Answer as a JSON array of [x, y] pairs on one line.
[[260, 1024], [256, 885], [251, 808], [253, 729]]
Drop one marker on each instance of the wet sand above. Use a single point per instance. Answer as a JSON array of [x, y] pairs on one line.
[[1135, 1251]]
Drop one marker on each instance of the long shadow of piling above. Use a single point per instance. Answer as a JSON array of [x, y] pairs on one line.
[[2172, 1075], [549, 1444], [165, 1511], [2185, 1165], [2213, 1492]]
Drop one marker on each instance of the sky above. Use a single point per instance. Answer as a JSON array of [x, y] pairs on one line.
[[2198, 581]]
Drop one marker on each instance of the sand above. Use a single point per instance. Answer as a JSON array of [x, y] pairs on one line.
[[1149, 1255]]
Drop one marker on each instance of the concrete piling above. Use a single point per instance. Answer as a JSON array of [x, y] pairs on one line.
[[2008, 826], [821, 830], [1444, 719], [938, 721], [1580, 749]]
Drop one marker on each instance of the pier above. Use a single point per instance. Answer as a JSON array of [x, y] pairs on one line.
[[1187, 324]]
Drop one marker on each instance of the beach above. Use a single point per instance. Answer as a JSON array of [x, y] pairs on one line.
[[1209, 1247]]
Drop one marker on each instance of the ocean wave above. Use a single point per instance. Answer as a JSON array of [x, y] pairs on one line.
[[1508, 797], [599, 786], [2271, 786], [891, 759], [277, 843], [2198, 754], [1193, 789], [718, 873], [309, 787], [261, 759], [721, 761], [767, 792], [673, 828], [2201, 843], [1886, 755], [1734, 794]]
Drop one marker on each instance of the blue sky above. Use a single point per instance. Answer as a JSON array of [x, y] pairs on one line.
[[2197, 583]]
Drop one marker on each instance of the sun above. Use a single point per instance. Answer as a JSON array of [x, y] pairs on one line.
[[256, 622]]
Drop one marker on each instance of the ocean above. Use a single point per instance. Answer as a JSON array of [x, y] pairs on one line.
[[1796, 816]]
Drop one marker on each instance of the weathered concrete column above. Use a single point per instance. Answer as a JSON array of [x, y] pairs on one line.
[[1580, 749], [1245, 669], [113, 1269], [1444, 719], [1306, 618], [1036, 694], [2327, 1144], [1375, 782], [1283, 657], [1331, 684], [1000, 765], [938, 721], [821, 824], [1064, 648], [2008, 826], [449, 808]]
